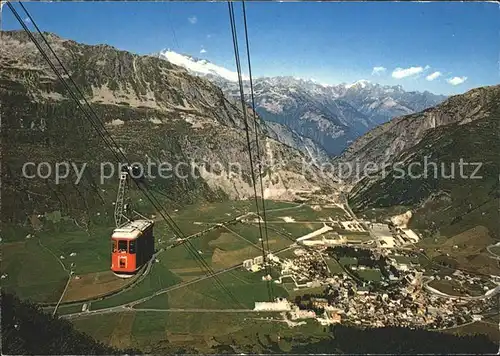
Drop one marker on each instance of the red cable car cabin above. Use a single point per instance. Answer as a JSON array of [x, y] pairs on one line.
[[133, 246]]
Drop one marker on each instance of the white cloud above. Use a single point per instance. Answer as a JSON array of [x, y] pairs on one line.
[[456, 80], [433, 76], [378, 70], [27, 20], [192, 20], [399, 73], [203, 50], [209, 36]]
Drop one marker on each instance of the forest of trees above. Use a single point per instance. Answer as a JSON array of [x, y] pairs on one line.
[[27, 330], [397, 341]]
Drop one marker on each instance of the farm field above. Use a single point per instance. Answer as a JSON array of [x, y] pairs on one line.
[[159, 277], [220, 248], [32, 272], [467, 250], [92, 284], [33, 267], [66, 309], [306, 213], [161, 332], [370, 275], [348, 261], [251, 232], [333, 266], [246, 287], [294, 230]]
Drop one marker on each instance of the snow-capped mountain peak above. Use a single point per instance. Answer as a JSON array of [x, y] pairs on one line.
[[198, 66], [360, 83]]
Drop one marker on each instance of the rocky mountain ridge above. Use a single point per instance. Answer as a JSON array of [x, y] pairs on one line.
[[385, 142], [331, 115], [443, 163]]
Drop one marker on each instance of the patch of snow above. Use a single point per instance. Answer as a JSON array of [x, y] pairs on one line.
[[360, 83], [155, 121], [117, 122], [199, 66]]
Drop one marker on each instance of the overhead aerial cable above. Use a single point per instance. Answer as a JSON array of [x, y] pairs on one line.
[[255, 119], [151, 198], [247, 132]]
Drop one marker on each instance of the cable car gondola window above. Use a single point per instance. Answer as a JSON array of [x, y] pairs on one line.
[[131, 247], [122, 246], [113, 245]]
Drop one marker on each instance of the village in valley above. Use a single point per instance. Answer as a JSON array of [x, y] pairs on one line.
[[315, 265], [371, 274]]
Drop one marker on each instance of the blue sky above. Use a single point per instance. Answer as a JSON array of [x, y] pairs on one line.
[[328, 42]]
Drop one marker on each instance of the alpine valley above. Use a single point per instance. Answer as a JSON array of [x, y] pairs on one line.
[[262, 251]]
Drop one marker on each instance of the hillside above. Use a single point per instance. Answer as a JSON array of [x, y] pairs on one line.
[[153, 110], [397, 341], [27, 330], [465, 128], [385, 142]]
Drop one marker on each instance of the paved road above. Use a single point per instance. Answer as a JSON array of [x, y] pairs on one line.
[[297, 222], [490, 293], [199, 310], [493, 255], [63, 293], [287, 208]]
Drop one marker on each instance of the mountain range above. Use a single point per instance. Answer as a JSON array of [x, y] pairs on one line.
[[156, 109], [332, 116]]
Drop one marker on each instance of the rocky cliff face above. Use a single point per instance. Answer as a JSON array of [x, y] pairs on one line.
[[153, 109], [307, 146]]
